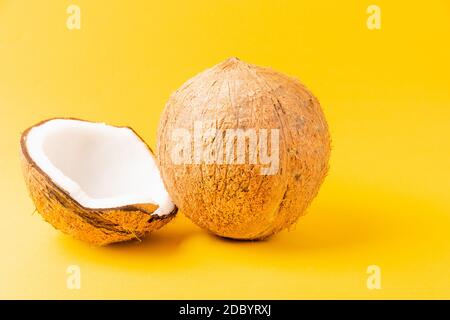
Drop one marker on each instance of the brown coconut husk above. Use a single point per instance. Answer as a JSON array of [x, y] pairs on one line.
[[235, 201]]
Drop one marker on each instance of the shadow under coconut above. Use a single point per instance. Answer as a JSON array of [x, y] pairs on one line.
[[159, 251], [318, 231], [331, 231]]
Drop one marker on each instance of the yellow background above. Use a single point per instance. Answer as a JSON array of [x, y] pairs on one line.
[[385, 94]]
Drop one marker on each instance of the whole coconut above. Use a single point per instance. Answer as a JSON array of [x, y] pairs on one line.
[[218, 189]]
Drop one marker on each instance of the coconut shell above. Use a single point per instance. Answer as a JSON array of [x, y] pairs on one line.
[[95, 226], [235, 200]]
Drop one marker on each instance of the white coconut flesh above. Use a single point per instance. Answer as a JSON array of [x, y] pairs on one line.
[[97, 165]]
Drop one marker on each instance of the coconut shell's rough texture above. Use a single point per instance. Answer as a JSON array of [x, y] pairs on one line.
[[235, 201], [97, 227]]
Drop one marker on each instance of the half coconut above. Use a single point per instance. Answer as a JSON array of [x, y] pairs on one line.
[[96, 182]]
